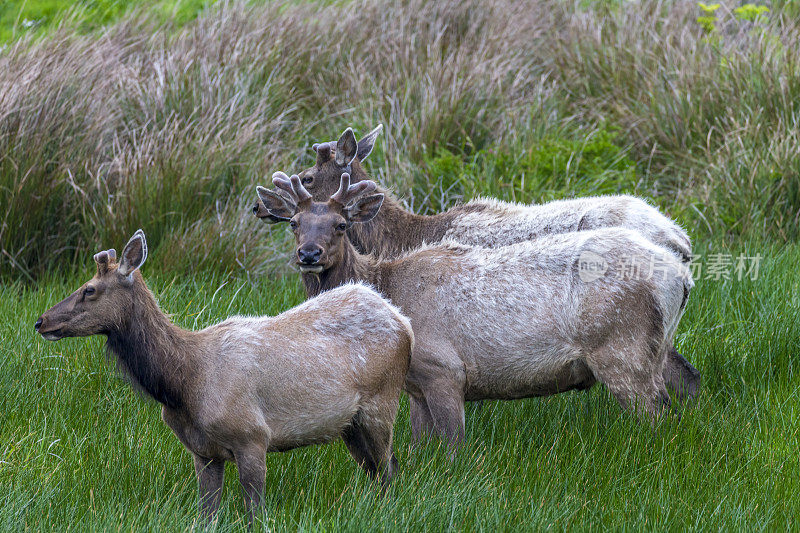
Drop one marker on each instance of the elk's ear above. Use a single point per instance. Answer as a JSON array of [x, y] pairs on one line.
[[277, 207], [134, 254], [346, 148], [365, 208], [366, 144]]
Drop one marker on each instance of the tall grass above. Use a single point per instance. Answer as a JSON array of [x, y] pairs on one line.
[[80, 450], [170, 129], [715, 117]]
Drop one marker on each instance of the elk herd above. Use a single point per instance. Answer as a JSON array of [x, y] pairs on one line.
[[488, 300]]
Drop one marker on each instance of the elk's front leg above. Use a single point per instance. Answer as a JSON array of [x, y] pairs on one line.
[[445, 399], [251, 462], [680, 376], [421, 419], [438, 372], [210, 476]]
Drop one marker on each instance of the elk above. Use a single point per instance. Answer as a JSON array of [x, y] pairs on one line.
[[489, 223], [331, 367], [504, 323]]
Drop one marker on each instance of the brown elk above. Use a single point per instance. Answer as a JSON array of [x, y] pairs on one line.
[[332, 366], [508, 322], [489, 223]]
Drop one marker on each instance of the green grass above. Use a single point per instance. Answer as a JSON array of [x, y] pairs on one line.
[[20, 18], [80, 450]]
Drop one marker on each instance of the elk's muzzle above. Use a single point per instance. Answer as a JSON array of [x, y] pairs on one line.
[[309, 255], [308, 258], [45, 330]]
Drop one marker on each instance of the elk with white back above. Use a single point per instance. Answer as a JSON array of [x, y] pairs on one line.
[[489, 223], [504, 323]]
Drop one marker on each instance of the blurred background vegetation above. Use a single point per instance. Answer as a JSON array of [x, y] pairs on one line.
[[165, 115]]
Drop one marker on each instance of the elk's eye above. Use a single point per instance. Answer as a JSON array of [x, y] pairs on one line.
[[307, 180], [88, 291], [341, 227], [293, 224]]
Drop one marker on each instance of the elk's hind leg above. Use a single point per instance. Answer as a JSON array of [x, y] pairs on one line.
[[356, 443], [369, 438]]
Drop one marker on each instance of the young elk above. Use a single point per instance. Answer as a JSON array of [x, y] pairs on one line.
[[536, 318], [333, 366], [489, 223]]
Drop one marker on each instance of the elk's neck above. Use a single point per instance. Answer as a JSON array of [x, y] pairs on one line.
[[352, 267], [154, 353], [395, 230]]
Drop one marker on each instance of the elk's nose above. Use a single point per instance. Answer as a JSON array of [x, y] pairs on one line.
[[38, 324], [309, 256], [255, 208]]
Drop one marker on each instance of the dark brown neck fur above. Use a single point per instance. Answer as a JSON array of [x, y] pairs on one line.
[[352, 267], [151, 350]]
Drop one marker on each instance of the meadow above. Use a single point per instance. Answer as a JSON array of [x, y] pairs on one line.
[[80, 450], [167, 119]]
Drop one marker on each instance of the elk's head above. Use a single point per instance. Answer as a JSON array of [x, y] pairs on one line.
[[319, 227], [333, 159], [102, 302]]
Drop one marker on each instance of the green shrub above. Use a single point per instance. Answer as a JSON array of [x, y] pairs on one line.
[[708, 21], [750, 12]]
